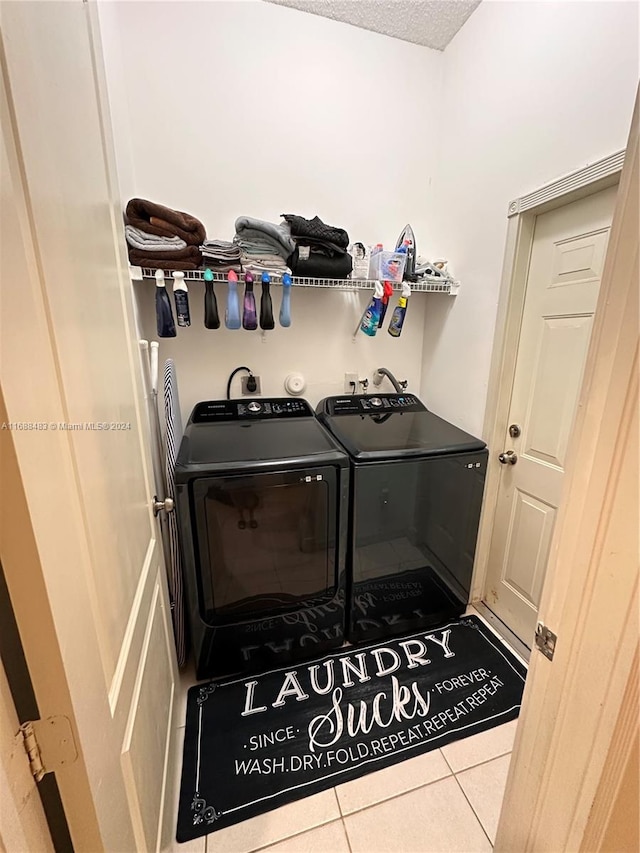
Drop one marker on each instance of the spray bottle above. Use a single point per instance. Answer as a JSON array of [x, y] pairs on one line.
[[387, 293], [285, 307], [232, 314], [211, 318], [371, 318], [249, 318], [399, 312], [266, 307], [164, 314], [181, 298]]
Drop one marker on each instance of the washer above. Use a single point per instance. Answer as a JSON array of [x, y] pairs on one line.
[[262, 495], [416, 495]]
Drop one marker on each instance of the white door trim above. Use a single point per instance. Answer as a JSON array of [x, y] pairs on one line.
[[579, 717], [575, 181], [521, 216]]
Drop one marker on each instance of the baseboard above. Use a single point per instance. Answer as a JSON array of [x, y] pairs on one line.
[[515, 643]]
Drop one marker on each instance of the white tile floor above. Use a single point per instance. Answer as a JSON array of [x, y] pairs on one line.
[[448, 799]]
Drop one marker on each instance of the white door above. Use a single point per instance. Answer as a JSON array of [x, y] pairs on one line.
[[71, 382], [565, 267]]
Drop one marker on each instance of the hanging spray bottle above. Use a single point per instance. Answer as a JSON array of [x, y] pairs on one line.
[[211, 318], [387, 293], [249, 318], [399, 312], [181, 298], [371, 318], [232, 314], [164, 314], [285, 308], [266, 307]]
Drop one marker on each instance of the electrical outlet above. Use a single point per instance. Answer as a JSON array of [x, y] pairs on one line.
[[245, 390], [351, 383]]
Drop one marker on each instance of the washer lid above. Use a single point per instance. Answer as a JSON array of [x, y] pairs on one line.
[[245, 443], [393, 433]]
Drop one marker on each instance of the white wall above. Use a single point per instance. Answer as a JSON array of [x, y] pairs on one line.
[[531, 91], [230, 108], [319, 344]]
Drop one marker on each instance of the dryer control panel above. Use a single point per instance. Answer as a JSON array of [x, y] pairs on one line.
[[250, 410], [359, 404]]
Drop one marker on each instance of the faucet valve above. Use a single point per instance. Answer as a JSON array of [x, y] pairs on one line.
[[379, 375]]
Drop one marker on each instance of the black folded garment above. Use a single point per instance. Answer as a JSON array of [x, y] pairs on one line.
[[319, 264], [320, 247], [315, 229]]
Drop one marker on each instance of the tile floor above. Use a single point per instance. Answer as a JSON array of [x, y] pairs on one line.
[[448, 799]]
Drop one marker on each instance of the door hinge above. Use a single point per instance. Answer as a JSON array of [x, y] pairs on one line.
[[49, 744], [545, 640]]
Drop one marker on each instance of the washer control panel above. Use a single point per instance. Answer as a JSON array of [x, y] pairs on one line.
[[252, 409], [360, 404]]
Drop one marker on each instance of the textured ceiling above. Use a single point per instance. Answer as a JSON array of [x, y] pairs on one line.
[[432, 23]]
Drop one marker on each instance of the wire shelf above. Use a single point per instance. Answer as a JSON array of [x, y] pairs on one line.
[[427, 284]]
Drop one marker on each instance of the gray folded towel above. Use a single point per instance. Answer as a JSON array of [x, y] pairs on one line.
[[144, 242], [219, 244], [220, 249], [277, 237], [267, 259], [265, 266]]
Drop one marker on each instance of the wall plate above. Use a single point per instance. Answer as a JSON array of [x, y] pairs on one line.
[[348, 387], [245, 390]]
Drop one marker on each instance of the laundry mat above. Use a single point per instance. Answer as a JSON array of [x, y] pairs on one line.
[[255, 743]]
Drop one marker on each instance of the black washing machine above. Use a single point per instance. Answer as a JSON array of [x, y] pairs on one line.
[[416, 492], [262, 494]]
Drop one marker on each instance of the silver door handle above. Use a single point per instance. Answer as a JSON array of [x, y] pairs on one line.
[[159, 506], [509, 457]]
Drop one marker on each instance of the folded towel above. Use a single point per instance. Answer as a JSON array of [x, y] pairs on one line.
[[220, 250], [189, 253], [317, 265], [273, 269], [316, 229], [277, 237], [150, 242], [222, 245], [164, 222], [183, 259], [164, 264], [265, 260], [223, 260], [321, 247], [215, 266]]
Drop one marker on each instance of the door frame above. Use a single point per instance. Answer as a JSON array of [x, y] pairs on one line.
[[44, 536], [24, 824], [575, 750], [521, 219]]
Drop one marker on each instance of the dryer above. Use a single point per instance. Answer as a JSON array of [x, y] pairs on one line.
[[262, 500], [416, 494]]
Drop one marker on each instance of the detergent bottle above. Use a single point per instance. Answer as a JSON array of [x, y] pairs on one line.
[[232, 314], [399, 312], [164, 314], [371, 318]]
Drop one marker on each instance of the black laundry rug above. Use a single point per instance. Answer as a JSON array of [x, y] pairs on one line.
[[255, 743]]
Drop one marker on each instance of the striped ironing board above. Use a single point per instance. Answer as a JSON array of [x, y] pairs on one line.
[[173, 433]]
